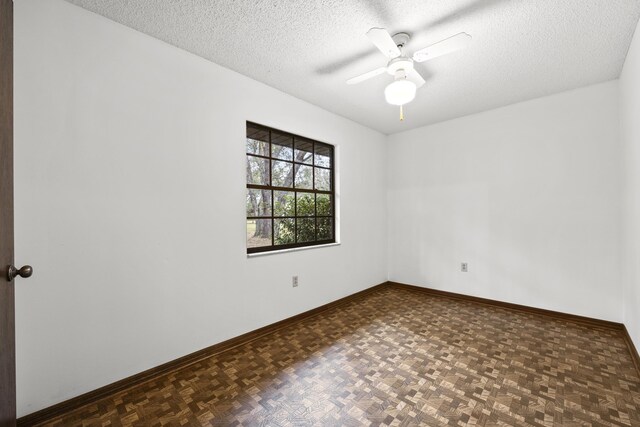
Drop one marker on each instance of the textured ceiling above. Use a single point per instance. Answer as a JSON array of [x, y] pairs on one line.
[[521, 49]]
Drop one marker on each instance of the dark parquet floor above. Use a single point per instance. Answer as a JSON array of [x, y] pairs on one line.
[[400, 358]]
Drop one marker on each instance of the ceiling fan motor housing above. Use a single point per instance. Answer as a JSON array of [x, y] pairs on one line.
[[401, 63]]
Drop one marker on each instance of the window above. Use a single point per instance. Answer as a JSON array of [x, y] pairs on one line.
[[290, 190]]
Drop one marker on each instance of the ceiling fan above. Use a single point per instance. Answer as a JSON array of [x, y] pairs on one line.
[[406, 78]]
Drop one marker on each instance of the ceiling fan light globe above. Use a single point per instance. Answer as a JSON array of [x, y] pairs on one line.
[[400, 92]]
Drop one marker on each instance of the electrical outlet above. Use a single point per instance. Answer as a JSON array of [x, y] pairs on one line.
[[294, 281], [464, 268]]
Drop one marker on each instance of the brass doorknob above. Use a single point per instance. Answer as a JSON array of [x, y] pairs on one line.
[[24, 271]]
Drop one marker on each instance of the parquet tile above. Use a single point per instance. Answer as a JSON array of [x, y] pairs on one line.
[[399, 358]]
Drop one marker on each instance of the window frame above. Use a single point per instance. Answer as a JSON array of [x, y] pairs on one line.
[[293, 189]]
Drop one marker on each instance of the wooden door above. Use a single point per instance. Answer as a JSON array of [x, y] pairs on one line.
[[7, 326]]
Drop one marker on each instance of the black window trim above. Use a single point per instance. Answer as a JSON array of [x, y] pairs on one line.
[[331, 192]]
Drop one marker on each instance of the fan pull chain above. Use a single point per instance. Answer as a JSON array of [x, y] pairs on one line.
[[401, 114]]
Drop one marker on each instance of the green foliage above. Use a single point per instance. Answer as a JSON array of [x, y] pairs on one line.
[[323, 204], [324, 228], [283, 203], [306, 230], [285, 229], [306, 205]]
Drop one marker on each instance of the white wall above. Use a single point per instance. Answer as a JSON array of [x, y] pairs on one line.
[[129, 198], [630, 135], [528, 195]]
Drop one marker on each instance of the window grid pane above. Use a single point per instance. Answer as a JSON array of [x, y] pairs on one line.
[[289, 190], [258, 170]]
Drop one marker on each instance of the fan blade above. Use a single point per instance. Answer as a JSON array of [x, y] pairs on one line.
[[366, 76], [443, 47], [415, 77], [383, 41]]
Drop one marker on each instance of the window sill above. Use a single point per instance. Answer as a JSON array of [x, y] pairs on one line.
[[284, 251]]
